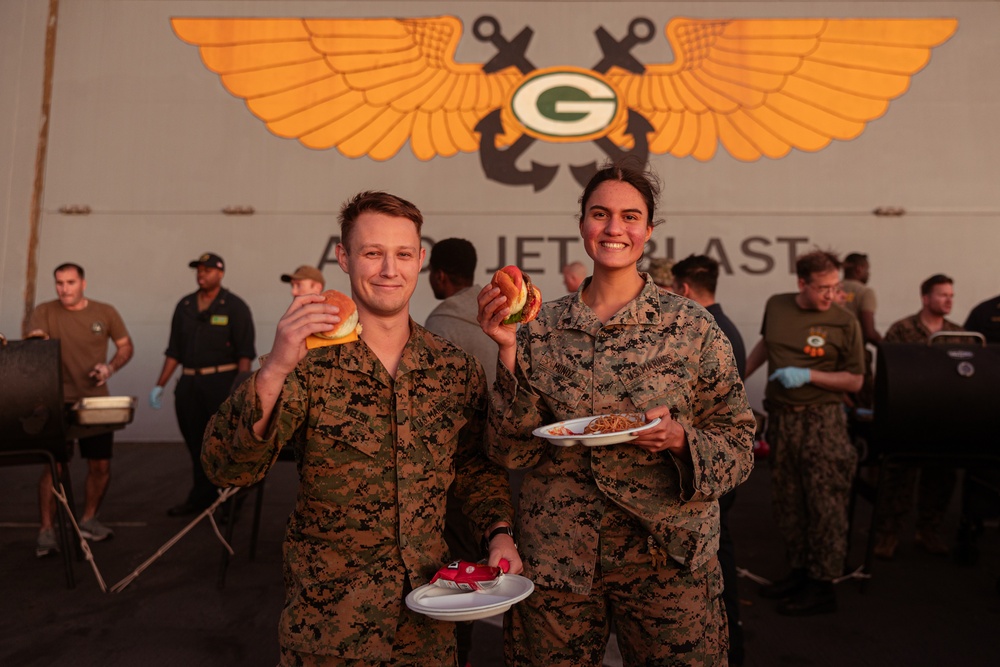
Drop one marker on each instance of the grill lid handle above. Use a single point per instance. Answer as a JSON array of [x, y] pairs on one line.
[[957, 334]]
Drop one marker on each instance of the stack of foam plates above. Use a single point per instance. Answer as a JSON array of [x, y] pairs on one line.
[[448, 604]]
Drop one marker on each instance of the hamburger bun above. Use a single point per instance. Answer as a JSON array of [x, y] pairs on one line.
[[523, 298], [348, 328]]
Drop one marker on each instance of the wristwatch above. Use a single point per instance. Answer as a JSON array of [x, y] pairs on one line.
[[502, 530]]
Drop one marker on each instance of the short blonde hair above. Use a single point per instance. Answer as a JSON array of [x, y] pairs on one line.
[[375, 202]]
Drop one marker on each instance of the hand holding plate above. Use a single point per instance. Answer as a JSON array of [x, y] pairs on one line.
[[667, 436]]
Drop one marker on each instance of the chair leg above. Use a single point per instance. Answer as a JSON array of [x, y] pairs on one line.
[[223, 567], [67, 536], [229, 509], [67, 482]]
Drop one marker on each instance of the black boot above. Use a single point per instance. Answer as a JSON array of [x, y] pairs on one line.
[[816, 597], [786, 587]]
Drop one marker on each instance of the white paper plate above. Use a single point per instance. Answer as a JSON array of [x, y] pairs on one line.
[[591, 440], [448, 604]]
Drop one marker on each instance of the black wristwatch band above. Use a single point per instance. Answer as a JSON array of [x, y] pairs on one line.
[[502, 530]]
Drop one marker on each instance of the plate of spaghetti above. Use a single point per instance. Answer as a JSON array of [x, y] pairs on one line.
[[595, 431]]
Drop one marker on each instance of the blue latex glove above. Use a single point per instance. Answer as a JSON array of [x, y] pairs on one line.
[[156, 398], [791, 376]]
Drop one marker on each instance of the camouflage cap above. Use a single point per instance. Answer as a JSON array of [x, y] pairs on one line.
[[659, 269]]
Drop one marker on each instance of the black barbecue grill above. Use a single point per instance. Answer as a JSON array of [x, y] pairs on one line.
[[32, 421], [31, 399], [935, 401], [35, 423], [940, 398]]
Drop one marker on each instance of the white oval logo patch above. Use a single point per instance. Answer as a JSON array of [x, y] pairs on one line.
[[565, 104]]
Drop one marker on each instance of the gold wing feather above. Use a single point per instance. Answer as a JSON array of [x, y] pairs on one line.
[[762, 87], [364, 86]]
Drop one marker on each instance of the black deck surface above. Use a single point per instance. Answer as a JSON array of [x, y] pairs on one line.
[[918, 610]]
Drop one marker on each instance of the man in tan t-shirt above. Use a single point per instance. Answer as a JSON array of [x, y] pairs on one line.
[[83, 328], [860, 300]]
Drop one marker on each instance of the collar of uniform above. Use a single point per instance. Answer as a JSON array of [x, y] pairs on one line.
[[644, 309], [358, 357], [417, 355], [220, 298], [946, 325]]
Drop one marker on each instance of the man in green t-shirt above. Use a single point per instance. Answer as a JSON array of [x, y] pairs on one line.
[[815, 354]]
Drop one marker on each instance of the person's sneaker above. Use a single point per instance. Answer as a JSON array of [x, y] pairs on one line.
[[47, 542], [94, 530], [931, 542], [885, 545]]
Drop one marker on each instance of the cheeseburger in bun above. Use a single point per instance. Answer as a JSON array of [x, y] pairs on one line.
[[523, 298], [348, 328]]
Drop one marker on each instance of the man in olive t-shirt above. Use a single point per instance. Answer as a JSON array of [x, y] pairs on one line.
[[814, 352]]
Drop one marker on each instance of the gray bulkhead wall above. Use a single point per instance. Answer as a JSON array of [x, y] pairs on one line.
[[146, 137], [22, 60]]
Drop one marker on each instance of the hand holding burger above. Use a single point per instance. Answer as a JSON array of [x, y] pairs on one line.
[[523, 298], [296, 334], [348, 328]]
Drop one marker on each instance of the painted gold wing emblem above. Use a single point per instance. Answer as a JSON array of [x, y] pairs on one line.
[[362, 86], [763, 87]]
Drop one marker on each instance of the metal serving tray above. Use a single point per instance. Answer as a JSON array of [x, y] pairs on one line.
[[104, 410]]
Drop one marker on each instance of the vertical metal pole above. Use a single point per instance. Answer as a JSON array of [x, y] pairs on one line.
[[38, 188]]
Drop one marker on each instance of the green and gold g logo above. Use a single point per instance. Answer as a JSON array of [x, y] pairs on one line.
[[565, 104]]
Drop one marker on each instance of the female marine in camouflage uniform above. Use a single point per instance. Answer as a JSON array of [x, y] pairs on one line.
[[628, 531]]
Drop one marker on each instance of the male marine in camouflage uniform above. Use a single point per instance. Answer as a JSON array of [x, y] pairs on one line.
[[815, 353], [381, 428], [937, 481]]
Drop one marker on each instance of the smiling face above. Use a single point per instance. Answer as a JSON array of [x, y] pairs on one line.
[[383, 262], [615, 225]]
